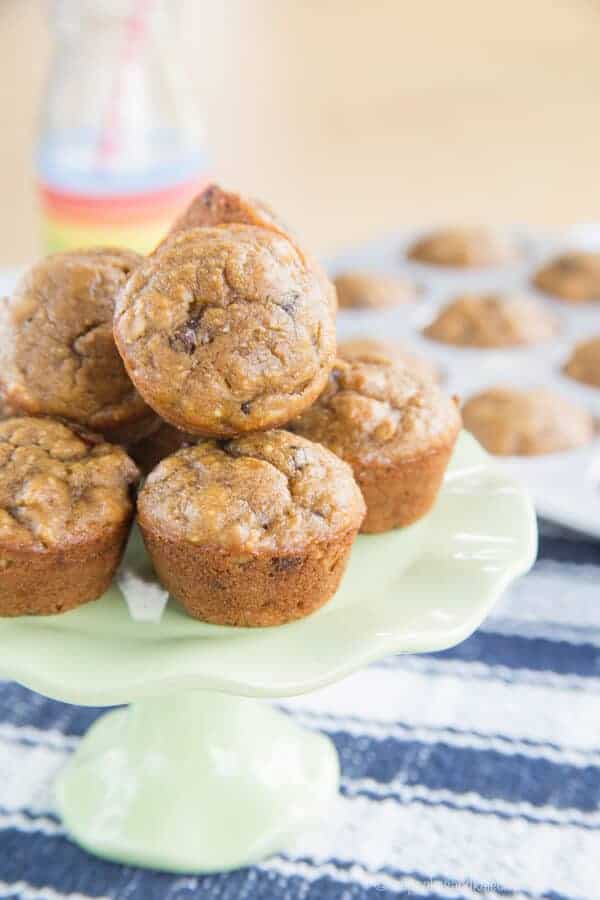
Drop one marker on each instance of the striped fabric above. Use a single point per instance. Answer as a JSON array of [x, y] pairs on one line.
[[465, 774]]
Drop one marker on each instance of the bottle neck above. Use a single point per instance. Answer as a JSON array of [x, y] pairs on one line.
[[134, 21]]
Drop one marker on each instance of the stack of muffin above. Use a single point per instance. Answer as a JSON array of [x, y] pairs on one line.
[[193, 359]]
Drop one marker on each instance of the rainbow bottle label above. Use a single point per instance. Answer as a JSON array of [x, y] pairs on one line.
[[135, 208]]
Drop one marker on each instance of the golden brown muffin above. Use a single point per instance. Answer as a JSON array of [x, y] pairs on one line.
[[584, 363], [462, 247], [510, 422], [227, 330], [574, 277], [6, 410], [492, 320], [395, 430], [57, 351], [255, 531], [214, 206], [65, 512], [166, 440], [365, 290], [367, 348]]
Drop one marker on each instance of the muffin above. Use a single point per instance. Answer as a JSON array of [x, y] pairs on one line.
[[492, 320], [584, 363], [365, 290], [57, 351], [227, 330], [395, 430], [511, 422], [574, 277], [166, 440], [214, 206], [367, 348], [462, 247], [255, 531], [65, 511], [6, 410]]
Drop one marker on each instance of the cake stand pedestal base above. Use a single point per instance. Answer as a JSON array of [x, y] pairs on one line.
[[199, 782]]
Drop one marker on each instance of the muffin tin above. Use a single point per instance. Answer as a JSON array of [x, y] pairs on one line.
[[566, 485]]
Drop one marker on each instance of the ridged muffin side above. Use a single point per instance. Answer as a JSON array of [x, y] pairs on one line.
[[255, 531]]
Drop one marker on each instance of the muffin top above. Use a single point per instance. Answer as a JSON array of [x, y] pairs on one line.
[[377, 412], [57, 351], [227, 330], [266, 492], [463, 247], [57, 487], [584, 362], [373, 348], [492, 320], [572, 276], [214, 206], [511, 422], [366, 290]]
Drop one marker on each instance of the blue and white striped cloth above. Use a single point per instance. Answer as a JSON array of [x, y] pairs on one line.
[[465, 774]]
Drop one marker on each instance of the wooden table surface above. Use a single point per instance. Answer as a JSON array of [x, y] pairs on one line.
[[355, 117]]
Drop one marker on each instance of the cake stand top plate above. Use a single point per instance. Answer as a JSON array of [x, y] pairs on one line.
[[422, 588]]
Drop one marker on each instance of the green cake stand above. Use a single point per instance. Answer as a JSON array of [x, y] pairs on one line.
[[198, 774]]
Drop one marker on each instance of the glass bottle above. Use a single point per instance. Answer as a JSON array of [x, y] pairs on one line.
[[121, 149]]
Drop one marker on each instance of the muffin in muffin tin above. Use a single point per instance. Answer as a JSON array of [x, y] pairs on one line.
[[573, 276], [368, 290], [564, 484], [511, 422], [462, 247], [584, 362], [492, 320]]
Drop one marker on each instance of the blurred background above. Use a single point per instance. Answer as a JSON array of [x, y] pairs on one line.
[[353, 118]]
